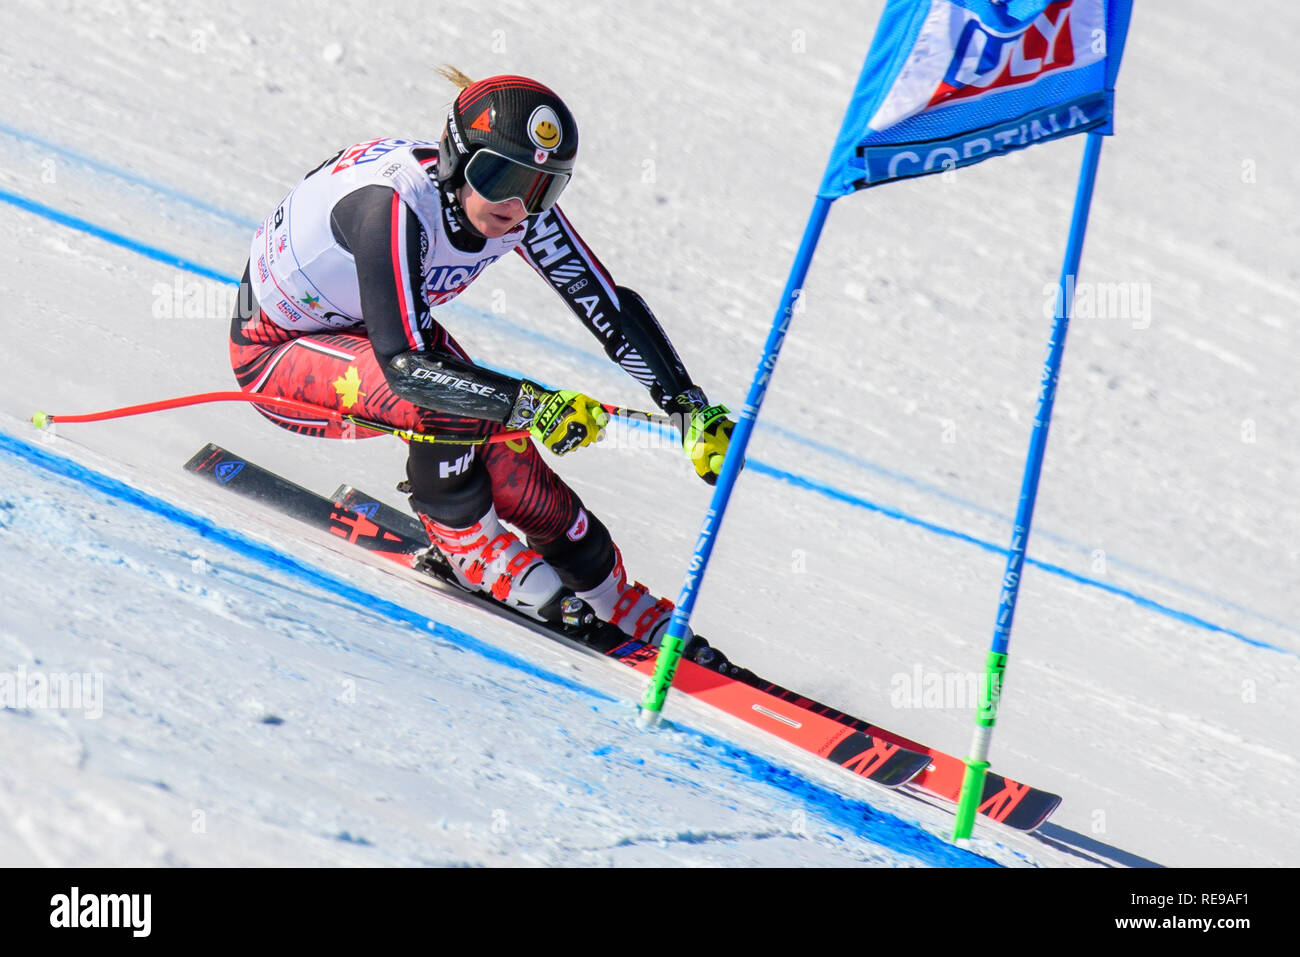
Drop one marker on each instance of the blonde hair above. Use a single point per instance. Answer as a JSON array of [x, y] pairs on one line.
[[455, 76]]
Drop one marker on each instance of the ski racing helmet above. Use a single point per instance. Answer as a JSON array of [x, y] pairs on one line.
[[509, 137]]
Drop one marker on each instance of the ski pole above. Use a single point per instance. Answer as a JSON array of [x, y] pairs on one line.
[[44, 419], [636, 415]]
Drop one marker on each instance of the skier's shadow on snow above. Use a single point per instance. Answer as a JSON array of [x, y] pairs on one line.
[[1089, 849]]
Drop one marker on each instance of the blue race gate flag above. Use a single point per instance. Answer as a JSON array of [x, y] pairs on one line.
[[946, 83], [949, 83]]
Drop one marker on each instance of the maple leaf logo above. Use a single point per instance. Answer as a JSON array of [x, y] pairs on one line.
[[348, 387]]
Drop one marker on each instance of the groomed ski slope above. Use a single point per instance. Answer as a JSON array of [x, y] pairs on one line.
[[243, 705], [1154, 660]]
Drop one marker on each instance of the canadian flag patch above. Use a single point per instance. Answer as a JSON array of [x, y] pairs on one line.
[[579, 527]]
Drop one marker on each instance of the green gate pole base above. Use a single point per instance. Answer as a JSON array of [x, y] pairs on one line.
[[972, 789], [652, 704]]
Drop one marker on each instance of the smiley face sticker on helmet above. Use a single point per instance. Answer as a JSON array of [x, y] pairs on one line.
[[544, 128]]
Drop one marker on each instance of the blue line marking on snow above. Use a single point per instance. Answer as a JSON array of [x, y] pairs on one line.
[[117, 239], [811, 485], [848, 813], [94, 163], [878, 827], [935, 491], [831, 492], [277, 560]]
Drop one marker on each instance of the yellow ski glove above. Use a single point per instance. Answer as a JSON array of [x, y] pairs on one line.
[[706, 437], [562, 420]]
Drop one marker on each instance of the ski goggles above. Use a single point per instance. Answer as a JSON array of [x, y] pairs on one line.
[[498, 178]]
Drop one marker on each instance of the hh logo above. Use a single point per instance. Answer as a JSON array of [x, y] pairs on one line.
[[986, 59], [458, 467]]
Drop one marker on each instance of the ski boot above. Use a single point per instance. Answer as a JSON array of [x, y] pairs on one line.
[[487, 557], [642, 616]]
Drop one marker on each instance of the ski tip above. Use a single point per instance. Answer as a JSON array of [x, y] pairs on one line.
[[42, 419]]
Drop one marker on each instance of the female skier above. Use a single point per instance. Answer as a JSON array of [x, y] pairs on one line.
[[338, 306]]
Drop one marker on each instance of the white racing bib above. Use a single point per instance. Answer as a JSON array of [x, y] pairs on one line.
[[305, 281]]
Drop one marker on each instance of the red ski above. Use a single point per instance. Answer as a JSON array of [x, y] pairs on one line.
[[856, 745]]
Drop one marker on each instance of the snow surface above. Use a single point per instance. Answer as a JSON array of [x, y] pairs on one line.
[[1155, 654]]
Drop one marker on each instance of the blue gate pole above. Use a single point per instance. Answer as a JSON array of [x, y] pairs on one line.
[[670, 649], [996, 663]]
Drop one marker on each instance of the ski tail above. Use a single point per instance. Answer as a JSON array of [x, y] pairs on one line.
[[1004, 800], [251, 481]]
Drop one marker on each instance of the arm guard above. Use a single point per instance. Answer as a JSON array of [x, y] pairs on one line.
[[447, 384]]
